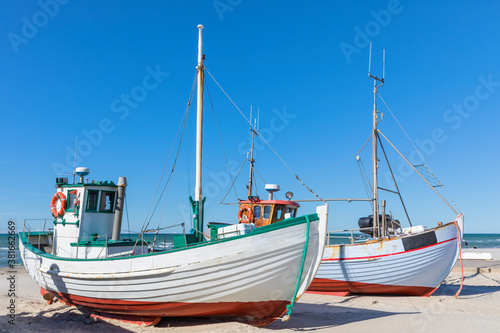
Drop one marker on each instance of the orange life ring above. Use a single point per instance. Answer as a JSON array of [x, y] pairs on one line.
[[245, 218], [55, 198]]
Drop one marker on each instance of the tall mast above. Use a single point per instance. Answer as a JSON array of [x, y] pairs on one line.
[[375, 157], [252, 128], [376, 222], [198, 208]]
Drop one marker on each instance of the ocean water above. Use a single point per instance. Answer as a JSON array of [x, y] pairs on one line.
[[479, 241]]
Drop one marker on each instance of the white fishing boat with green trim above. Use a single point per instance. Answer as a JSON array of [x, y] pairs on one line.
[[238, 271]]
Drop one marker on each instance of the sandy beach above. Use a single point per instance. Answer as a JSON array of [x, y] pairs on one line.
[[477, 309]]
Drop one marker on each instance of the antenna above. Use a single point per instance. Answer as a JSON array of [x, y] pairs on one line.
[[250, 116], [383, 66], [74, 161], [258, 113], [370, 59]]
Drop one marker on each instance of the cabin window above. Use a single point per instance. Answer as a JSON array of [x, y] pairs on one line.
[[279, 213], [107, 201], [256, 212], [291, 211], [92, 197], [71, 200], [267, 211]]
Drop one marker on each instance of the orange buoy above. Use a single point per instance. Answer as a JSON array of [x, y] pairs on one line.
[[245, 214], [59, 196]]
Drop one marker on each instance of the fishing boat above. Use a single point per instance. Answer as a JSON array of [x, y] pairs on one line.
[[237, 271], [261, 212], [390, 260], [381, 257]]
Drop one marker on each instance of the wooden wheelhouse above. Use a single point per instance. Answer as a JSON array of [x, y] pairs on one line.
[[264, 212]]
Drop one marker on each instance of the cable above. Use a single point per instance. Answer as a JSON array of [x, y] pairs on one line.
[[181, 125], [263, 139], [418, 151], [220, 138], [234, 180]]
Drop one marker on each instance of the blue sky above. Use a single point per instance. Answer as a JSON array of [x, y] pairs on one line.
[[118, 74]]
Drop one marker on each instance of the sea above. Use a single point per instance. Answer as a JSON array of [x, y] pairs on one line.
[[165, 241]]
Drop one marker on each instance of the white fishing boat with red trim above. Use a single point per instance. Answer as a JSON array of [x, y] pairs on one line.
[[390, 260], [256, 274], [413, 263]]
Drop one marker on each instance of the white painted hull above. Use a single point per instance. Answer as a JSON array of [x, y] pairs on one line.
[[253, 275], [407, 265]]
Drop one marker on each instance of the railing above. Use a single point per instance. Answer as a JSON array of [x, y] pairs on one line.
[[27, 228], [351, 238], [39, 227], [156, 231]]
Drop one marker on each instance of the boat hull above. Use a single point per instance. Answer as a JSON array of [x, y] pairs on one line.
[[254, 310], [254, 276], [409, 265]]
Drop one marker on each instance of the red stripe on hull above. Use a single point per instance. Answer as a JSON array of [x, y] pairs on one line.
[[327, 285], [263, 313], [388, 254]]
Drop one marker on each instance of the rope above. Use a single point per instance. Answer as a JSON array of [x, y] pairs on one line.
[[366, 181], [418, 151], [400, 126], [394, 180], [261, 178], [331, 166], [459, 240], [291, 306], [237, 108], [220, 138], [263, 139], [165, 201], [411, 165], [255, 182], [171, 173], [186, 113], [234, 180]]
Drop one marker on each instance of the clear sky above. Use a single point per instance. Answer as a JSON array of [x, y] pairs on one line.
[[117, 75]]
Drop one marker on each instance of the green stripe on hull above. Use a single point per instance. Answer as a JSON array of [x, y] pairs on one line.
[[262, 230]]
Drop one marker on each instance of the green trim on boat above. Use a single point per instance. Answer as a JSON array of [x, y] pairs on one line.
[[101, 183], [268, 228], [63, 222], [291, 306], [39, 233], [103, 243]]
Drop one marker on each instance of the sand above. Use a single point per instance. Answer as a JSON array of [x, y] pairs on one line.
[[477, 309]]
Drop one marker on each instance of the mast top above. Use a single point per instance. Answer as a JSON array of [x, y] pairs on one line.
[[370, 63], [201, 57]]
